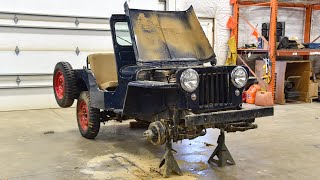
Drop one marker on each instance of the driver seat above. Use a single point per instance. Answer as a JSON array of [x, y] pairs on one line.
[[103, 66]]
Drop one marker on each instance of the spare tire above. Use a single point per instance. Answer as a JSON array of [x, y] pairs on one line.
[[64, 84]]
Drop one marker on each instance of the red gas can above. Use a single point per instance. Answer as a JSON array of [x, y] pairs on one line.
[[264, 98], [251, 93]]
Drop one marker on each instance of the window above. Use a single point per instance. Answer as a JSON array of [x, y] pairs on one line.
[[122, 34], [162, 5]]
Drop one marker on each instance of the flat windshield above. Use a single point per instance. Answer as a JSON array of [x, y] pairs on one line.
[[169, 36], [122, 34]]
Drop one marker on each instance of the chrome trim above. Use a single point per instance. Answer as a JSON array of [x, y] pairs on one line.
[[181, 80], [232, 76]]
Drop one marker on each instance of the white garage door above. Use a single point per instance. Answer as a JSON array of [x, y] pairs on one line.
[[32, 43], [30, 47]]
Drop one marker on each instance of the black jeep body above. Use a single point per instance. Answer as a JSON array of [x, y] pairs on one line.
[[152, 49]]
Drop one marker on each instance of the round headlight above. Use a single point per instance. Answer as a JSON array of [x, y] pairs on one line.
[[239, 77], [189, 80]]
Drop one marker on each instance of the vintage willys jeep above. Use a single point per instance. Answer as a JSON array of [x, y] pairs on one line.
[[157, 76]]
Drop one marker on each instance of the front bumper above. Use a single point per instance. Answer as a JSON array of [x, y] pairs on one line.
[[231, 116]]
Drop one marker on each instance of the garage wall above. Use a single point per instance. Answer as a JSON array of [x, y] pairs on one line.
[[220, 10], [293, 18], [32, 43], [315, 26]]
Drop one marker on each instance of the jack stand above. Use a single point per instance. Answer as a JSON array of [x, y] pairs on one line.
[[221, 152], [168, 162]]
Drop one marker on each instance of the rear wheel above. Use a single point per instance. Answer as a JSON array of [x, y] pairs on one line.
[[64, 84], [88, 117]]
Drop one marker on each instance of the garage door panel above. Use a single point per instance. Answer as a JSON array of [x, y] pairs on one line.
[[25, 81], [39, 61], [31, 47], [90, 41]]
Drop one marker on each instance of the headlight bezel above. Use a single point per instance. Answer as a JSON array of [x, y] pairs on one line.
[[233, 78], [183, 80]]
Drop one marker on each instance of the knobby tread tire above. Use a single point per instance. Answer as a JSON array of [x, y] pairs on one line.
[[69, 86], [94, 117]]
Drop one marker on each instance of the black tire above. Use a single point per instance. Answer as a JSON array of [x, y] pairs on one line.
[[88, 118], [64, 84]]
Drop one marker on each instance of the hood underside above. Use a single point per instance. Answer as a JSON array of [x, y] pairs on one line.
[[168, 36]]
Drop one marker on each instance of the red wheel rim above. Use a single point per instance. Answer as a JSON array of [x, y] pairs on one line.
[[59, 84], [83, 115]]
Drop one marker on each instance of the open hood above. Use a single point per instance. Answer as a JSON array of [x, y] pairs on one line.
[[168, 36]]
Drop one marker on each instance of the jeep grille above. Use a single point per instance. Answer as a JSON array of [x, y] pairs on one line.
[[214, 89]]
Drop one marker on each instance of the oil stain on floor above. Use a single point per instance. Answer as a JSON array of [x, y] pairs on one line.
[[125, 166]]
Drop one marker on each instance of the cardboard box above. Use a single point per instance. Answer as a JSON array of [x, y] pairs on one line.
[[313, 89]]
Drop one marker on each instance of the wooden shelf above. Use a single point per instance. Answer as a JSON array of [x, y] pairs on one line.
[[298, 52], [285, 52], [252, 50]]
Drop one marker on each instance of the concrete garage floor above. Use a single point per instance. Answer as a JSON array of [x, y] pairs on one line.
[[286, 146]]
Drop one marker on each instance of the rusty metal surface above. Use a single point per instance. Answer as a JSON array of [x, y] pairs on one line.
[[231, 116], [168, 36]]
